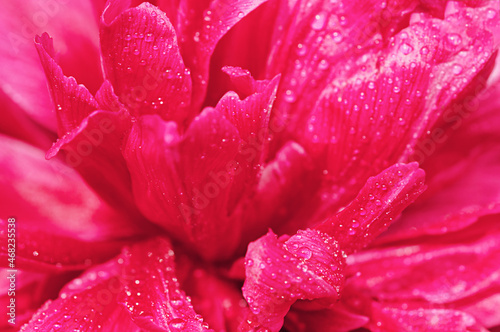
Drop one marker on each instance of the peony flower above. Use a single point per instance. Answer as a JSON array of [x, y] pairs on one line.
[[250, 165]]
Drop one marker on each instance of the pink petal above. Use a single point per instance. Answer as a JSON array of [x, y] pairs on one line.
[[279, 272], [90, 306], [343, 120], [72, 102], [142, 61], [182, 183], [23, 80], [380, 201], [40, 250], [51, 197], [17, 124], [462, 267], [333, 319], [93, 149], [200, 26], [152, 293], [31, 291], [438, 320], [218, 300], [474, 194]]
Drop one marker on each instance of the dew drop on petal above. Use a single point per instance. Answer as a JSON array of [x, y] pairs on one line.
[[406, 48], [424, 50], [319, 21], [457, 69], [454, 39]]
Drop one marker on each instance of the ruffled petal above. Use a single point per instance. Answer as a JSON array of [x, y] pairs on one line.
[[72, 24], [143, 62], [86, 304], [309, 265], [200, 26], [72, 102], [338, 107], [152, 293]]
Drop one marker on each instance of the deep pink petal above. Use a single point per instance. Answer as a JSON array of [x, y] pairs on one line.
[[338, 106], [152, 293], [31, 289], [72, 102], [333, 319], [201, 24], [306, 266], [88, 303], [461, 267], [94, 150], [22, 77], [381, 200], [433, 320], [182, 183], [39, 250], [51, 197], [143, 62], [474, 194]]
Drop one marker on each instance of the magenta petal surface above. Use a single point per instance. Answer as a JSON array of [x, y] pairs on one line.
[[142, 60], [381, 200], [182, 182], [151, 291], [86, 304], [72, 102], [306, 266], [200, 26]]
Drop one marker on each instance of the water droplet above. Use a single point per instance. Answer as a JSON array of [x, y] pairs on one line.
[[371, 85], [491, 14], [323, 64], [241, 14], [249, 262], [301, 49], [35, 253], [319, 21], [149, 38], [136, 52], [454, 39], [177, 324], [337, 36], [289, 96], [306, 253], [406, 48], [396, 89], [127, 37], [424, 50], [457, 69]]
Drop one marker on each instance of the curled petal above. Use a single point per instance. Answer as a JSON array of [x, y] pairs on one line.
[[72, 102], [307, 266], [143, 62]]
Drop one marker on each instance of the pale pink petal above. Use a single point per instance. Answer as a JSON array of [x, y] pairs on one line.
[[74, 28], [152, 293], [461, 267], [433, 320], [51, 197], [72, 102], [143, 62]]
